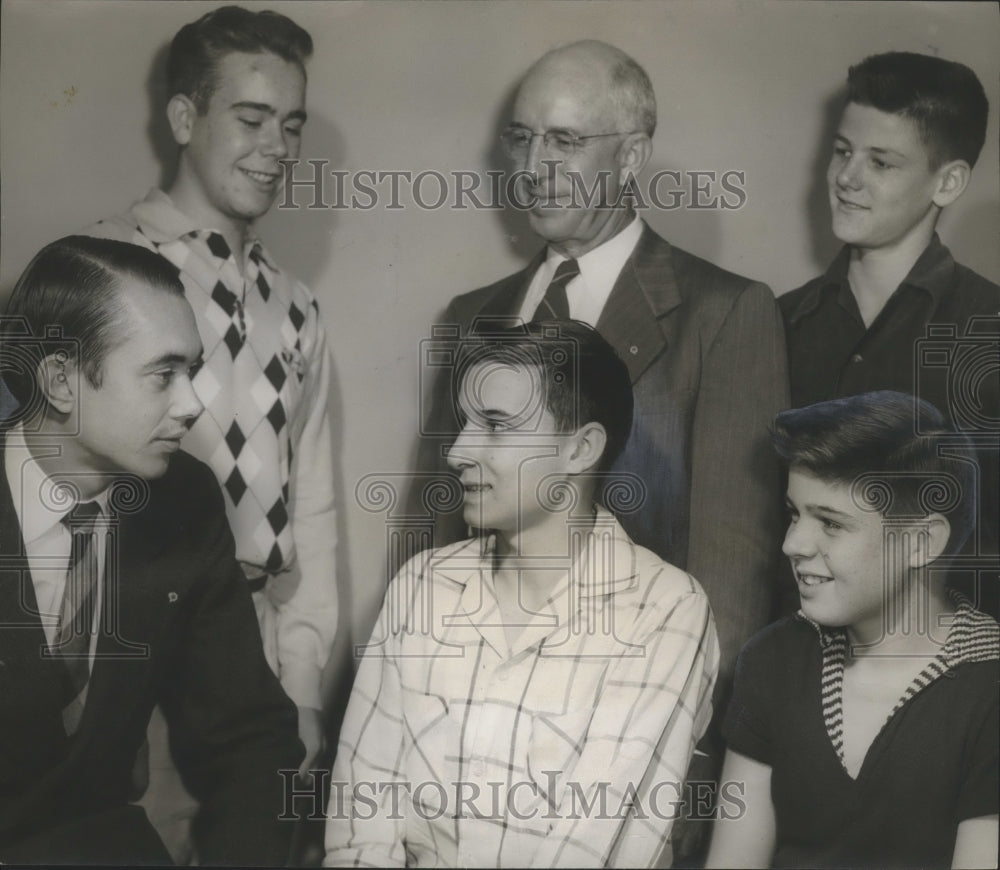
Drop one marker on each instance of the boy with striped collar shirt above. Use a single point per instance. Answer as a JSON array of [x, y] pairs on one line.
[[865, 728]]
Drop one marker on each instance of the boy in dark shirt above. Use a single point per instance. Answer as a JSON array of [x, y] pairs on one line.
[[894, 311], [863, 731]]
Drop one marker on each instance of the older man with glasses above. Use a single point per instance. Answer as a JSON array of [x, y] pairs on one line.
[[704, 347]]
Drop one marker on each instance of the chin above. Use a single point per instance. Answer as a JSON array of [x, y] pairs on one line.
[[823, 616], [153, 468], [549, 224]]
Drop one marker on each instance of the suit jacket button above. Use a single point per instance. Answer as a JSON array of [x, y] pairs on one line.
[[633, 350]]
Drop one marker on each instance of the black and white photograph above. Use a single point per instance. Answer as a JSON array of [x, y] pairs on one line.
[[517, 433]]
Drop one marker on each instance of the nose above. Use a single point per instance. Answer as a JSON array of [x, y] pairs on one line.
[[535, 153], [798, 542], [849, 173], [186, 405], [274, 143], [461, 452]]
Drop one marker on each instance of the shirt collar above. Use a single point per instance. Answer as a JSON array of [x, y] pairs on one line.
[[933, 273], [973, 636], [601, 266], [161, 222], [602, 544], [37, 515]]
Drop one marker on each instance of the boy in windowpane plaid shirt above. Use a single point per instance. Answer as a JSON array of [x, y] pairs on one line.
[[531, 696]]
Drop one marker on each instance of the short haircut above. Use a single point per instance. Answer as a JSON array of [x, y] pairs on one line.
[[629, 88], [583, 377], [944, 98], [912, 461], [632, 93], [198, 47], [67, 300]]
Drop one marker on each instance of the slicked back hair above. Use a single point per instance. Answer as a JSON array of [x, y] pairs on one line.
[[198, 47], [898, 449], [583, 378], [68, 300]]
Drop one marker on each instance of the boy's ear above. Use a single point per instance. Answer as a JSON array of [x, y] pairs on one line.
[[586, 447], [56, 378], [930, 540], [181, 113], [953, 178]]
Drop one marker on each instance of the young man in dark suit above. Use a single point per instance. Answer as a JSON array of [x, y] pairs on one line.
[[119, 587]]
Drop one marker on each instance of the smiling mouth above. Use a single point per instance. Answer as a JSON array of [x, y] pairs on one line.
[[812, 579], [850, 206], [266, 178]]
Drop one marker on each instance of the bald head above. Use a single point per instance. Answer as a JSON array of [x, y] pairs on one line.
[[615, 87]]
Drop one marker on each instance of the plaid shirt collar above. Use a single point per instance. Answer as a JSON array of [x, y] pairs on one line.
[[602, 566], [591, 571]]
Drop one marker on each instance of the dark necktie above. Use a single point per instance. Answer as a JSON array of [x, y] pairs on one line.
[[555, 302], [76, 617]]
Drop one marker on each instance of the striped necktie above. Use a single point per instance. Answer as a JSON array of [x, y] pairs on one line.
[[555, 302], [76, 618]]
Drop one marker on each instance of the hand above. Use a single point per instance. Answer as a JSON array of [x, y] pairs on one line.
[[311, 735]]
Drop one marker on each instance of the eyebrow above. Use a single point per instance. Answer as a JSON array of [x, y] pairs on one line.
[[818, 508], [874, 149], [828, 511], [493, 414], [297, 115], [173, 359]]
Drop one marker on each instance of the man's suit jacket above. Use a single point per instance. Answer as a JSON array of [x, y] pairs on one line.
[[705, 350], [183, 634]]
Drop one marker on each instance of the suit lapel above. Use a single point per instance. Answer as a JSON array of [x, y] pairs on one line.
[[31, 687], [21, 632], [506, 301], [133, 607], [645, 292]]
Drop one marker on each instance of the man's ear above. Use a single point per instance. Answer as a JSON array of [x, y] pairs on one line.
[[181, 113], [929, 540], [56, 379], [953, 178], [633, 155], [586, 447]]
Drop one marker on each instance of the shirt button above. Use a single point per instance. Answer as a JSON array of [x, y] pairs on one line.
[[503, 675], [857, 358]]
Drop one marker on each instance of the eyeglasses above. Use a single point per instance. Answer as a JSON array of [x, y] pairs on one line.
[[562, 143]]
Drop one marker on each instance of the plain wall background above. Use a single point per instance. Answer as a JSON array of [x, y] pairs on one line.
[[750, 86]]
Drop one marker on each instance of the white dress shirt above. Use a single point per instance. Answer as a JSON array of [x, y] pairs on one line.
[[41, 504], [599, 269]]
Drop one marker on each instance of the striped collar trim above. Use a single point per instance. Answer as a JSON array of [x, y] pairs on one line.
[[972, 637]]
